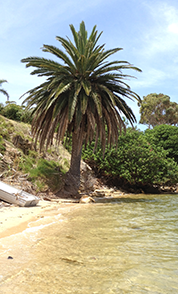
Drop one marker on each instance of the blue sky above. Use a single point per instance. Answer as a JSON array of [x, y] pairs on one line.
[[147, 31]]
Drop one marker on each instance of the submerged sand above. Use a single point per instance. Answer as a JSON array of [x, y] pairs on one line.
[[21, 231], [15, 219]]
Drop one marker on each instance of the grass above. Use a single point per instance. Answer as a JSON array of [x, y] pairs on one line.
[[43, 173], [45, 170], [2, 145], [6, 128], [50, 173]]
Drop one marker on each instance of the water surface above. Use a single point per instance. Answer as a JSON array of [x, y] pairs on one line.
[[127, 245]]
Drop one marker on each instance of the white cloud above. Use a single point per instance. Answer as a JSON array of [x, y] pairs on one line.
[[161, 36], [173, 28], [157, 55], [150, 77], [20, 14]]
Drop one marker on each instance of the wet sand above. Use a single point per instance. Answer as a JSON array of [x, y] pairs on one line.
[[14, 219], [21, 231]]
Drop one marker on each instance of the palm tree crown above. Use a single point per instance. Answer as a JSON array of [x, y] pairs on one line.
[[3, 91], [82, 94]]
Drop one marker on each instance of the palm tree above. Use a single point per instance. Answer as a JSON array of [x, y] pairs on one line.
[[81, 96], [3, 91]]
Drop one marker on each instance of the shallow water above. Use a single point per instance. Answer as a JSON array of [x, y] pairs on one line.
[[127, 245]]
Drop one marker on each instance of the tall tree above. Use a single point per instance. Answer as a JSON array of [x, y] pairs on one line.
[[82, 95], [157, 109], [3, 91]]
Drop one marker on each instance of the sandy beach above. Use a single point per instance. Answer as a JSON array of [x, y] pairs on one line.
[[21, 231], [14, 219]]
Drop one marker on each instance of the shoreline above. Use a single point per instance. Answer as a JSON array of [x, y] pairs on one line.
[[21, 231], [15, 219]]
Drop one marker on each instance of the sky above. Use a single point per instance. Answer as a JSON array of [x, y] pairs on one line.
[[147, 31]]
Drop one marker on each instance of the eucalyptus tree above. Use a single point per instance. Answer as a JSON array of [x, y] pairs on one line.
[[2, 90], [157, 109], [83, 96]]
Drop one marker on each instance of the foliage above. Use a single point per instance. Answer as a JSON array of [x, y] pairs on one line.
[[6, 128], [135, 162], [16, 112], [81, 95], [27, 116], [1, 107], [157, 109], [12, 111], [43, 169], [2, 90], [42, 172], [2, 146], [45, 173], [165, 136]]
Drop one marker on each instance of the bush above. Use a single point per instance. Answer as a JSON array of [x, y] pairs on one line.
[[16, 112], [12, 111], [165, 136], [27, 116], [136, 161]]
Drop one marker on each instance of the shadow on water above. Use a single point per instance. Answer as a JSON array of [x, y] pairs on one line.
[[123, 200]]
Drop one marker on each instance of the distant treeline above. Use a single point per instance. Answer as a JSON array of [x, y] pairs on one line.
[[16, 112]]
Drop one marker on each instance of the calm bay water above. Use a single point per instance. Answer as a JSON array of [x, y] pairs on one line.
[[127, 245]]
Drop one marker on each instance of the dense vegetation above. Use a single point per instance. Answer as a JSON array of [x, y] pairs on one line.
[[16, 112], [141, 160], [165, 136]]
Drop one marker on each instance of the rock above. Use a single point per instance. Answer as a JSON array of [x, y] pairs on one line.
[[23, 144], [87, 178], [46, 198], [10, 257], [98, 193], [86, 199]]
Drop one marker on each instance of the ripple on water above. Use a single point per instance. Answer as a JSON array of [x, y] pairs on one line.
[[126, 246]]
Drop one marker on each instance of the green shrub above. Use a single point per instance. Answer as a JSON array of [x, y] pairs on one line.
[[16, 112], [27, 116], [135, 161], [12, 111], [165, 136]]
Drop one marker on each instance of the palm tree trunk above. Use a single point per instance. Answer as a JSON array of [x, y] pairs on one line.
[[72, 179]]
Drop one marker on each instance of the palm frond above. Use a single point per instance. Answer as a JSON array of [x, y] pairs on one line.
[[2, 90], [84, 93], [73, 101], [59, 53]]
